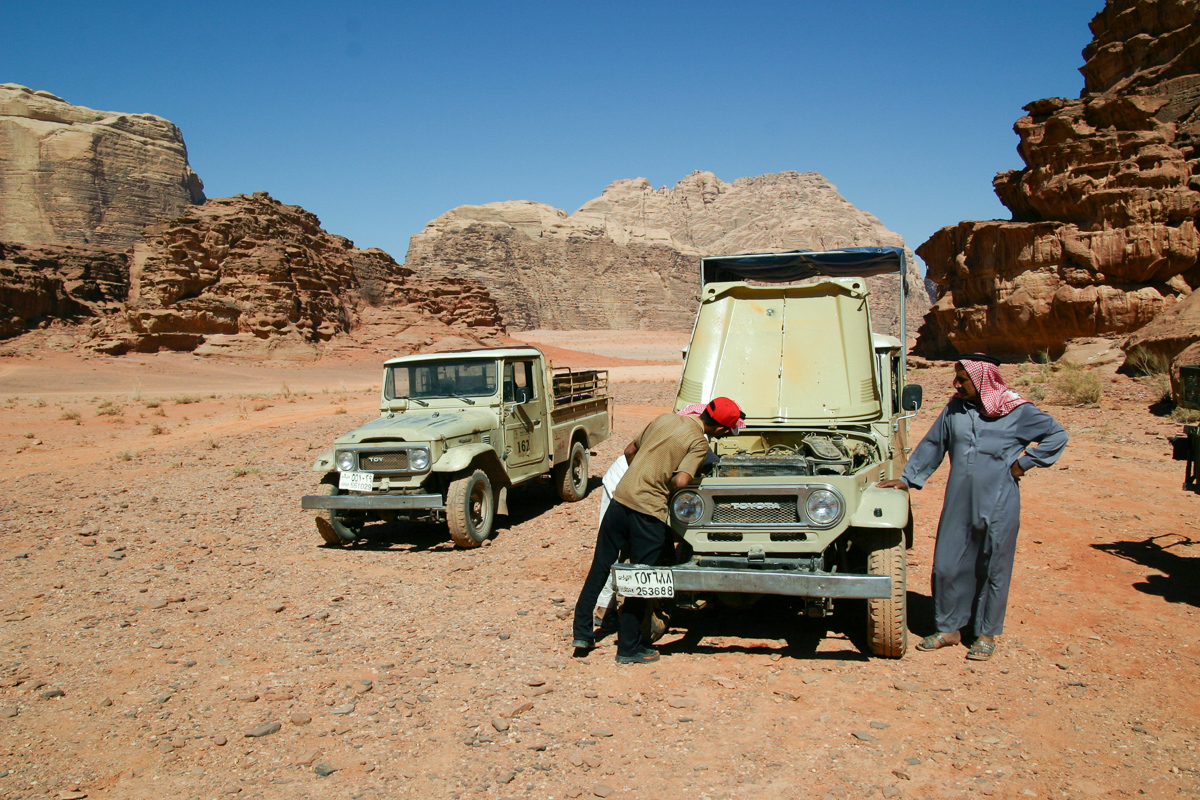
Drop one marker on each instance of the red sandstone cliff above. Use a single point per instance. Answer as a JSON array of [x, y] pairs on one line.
[[244, 275], [1103, 236]]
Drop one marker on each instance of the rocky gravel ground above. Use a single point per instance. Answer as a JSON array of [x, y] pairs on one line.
[[171, 626]]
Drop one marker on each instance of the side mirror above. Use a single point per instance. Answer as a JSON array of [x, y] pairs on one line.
[[910, 398]]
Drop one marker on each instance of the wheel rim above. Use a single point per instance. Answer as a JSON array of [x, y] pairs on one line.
[[477, 506], [578, 474]]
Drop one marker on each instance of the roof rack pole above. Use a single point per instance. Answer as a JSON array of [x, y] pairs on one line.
[[903, 316]]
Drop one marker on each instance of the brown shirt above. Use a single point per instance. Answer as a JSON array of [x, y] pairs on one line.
[[669, 444]]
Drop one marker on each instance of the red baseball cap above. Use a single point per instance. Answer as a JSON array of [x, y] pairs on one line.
[[726, 413]]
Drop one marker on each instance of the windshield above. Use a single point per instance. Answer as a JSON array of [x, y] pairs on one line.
[[428, 379]]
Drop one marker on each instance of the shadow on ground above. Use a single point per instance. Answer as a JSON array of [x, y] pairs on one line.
[[1175, 555], [525, 502]]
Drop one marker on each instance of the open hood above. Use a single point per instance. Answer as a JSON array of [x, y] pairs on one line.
[[788, 355]]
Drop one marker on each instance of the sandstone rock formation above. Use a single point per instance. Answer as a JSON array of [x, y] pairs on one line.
[[1103, 236], [245, 276], [629, 259], [39, 285], [69, 174], [253, 268]]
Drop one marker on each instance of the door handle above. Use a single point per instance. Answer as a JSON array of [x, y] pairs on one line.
[[537, 423]]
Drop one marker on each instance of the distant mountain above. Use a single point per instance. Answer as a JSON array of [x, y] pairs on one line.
[[629, 259], [71, 175]]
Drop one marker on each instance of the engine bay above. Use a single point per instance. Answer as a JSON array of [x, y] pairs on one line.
[[792, 453]]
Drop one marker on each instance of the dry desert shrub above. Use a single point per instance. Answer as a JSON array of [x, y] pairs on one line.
[[1153, 368], [1188, 416], [1147, 362], [109, 409], [1079, 386], [185, 399], [70, 414]]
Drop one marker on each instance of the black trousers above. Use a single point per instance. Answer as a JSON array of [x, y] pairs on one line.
[[624, 533]]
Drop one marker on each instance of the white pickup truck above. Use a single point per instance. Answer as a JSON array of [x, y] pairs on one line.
[[456, 430]]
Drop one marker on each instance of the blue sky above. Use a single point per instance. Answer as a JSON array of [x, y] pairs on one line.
[[378, 117]]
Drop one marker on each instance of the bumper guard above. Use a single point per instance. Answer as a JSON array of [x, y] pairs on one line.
[[369, 502]]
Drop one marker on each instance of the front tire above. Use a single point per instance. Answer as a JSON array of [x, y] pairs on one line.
[[335, 528], [471, 509], [887, 617], [571, 477]]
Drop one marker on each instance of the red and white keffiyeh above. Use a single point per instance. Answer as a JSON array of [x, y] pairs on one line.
[[998, 400]]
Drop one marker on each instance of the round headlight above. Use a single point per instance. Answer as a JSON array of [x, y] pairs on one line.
[[823, 507], [687, 507], [345, 461], [418, 459]]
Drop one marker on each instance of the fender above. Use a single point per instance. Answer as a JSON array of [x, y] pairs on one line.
[[891, 503], [563, 439], [456, 459], [325, 463]]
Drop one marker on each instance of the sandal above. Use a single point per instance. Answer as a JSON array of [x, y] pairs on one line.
[[981, 651], [935, 642]]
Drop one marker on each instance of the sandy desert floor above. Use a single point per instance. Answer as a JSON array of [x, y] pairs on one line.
[[170, 625]]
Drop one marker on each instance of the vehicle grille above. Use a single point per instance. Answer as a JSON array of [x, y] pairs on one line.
[[780, 536], [383, 462], [754, 510], [715, 536]]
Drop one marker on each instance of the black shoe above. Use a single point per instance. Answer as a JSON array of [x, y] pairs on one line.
[[584, 645], [646, 655]]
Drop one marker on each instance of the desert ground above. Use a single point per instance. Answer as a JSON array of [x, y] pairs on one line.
[[171, 625]]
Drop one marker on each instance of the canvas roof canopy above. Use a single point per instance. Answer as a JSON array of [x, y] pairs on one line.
[[798, 265]]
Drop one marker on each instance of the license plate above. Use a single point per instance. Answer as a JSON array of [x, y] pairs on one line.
[[645, 582], [356, 481]]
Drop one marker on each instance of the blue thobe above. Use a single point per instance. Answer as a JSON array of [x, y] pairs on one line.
[[977, 534]]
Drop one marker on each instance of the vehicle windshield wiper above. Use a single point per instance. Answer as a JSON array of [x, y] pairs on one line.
[[418, 402], [464, 398]]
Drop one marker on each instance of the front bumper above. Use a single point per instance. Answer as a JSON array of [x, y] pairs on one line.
[[695, 576], [368, 502]]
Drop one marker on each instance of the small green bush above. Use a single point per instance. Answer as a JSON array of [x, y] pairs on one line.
[[1079, 386]]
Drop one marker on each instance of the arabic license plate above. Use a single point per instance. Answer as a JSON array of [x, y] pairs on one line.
[[645, 582], [356, 481]]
